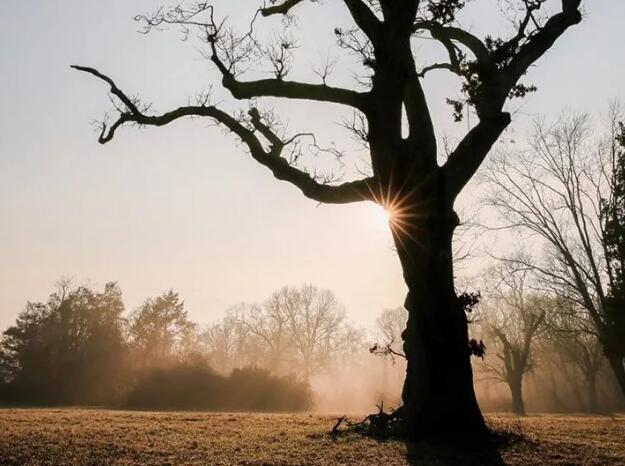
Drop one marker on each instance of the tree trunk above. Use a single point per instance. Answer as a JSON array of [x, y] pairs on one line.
[[516, 389], [557, 401], [616, 363], [593, 405], [439, 401]]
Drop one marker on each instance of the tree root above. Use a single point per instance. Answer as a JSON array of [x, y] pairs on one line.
[[380, 425], [391, 425]]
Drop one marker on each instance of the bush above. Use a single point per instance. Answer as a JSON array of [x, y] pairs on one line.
[[189, 387], [178, 387], [255, 389]]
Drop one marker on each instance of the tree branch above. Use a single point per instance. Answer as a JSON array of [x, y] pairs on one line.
[[365, 19], [421, 128], [280, 8], [471, 151], [286, 89], [445, 34], [281, 169], [542, 41], [436, 66]]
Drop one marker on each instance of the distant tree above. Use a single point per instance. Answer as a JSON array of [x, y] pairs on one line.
[[317, 326], [160, 330], [567, 190], [387, 333], [226, 345], [268, 333], [407, 179], [297, 331], [68, 350], [567, 329], [513, 318]]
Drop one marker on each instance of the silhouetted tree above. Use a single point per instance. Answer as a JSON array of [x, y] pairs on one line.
[[613, 242], [567, 190], [68, 350], [513, 318], [573, 339], [439, 400]]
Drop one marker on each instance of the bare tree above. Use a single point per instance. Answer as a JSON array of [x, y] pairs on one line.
[[557, 192], [268, 325], [567, 330], [227, 345], [407, 179], [513, 317], [388, 329], [297, 331], [316, 323]]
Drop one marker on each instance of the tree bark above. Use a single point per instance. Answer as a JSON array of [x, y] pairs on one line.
[[439, 400], [516, 389]]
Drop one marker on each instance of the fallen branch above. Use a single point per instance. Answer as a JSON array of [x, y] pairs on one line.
[[378, 425]]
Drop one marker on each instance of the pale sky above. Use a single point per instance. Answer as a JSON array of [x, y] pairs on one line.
[[183, 207]]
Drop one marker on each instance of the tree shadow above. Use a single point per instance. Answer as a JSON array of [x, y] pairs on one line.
[[464, 450], [424, 454]]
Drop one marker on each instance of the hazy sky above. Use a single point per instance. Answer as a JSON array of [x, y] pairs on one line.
[[183, 206]]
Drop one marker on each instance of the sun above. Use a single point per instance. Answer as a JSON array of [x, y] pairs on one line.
[[381, 216]]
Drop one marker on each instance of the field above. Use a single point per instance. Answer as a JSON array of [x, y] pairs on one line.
[[104, 437]]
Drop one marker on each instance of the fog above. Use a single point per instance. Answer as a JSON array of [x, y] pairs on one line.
[[296, 351]]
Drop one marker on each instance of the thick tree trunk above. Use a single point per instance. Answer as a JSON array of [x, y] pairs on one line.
[[438, 395], [516, 389]]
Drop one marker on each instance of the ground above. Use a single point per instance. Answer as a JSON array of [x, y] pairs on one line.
[[105, 437]]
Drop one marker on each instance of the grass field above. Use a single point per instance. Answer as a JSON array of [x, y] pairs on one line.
[[102, 437]]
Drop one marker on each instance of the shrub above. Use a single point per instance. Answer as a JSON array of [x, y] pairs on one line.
[[188, 386]]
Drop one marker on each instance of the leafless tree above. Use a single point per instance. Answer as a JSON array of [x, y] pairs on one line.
[[297, 331], [267, 326], [407, 179], [388, 329], [513, 318], [556, 192], [317, 326], [227, 345], [567, 331]]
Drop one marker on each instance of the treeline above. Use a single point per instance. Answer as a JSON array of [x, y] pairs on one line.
[[540, 348], [299, 331], [82, 348], [539, 352], [563, 197]]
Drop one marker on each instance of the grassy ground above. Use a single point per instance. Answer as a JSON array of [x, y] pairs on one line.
[[99, 437]]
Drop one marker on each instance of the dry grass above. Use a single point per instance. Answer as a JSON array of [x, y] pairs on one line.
[[101, 437]]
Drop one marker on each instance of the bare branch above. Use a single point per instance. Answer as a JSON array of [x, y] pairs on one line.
[[471, 151], [364, 18], [286, 89], [334, 194], [279, 8], [450, 33], [542, 40]]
